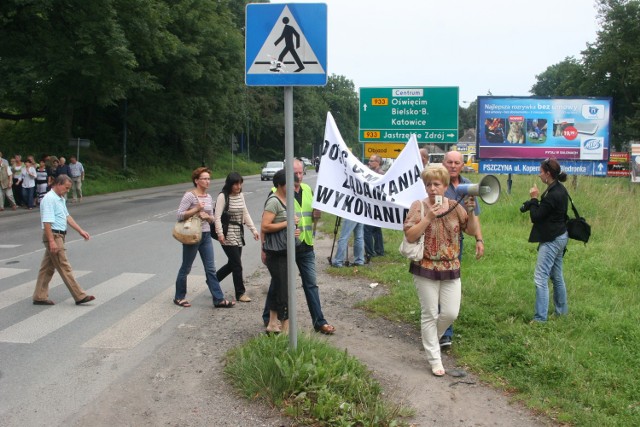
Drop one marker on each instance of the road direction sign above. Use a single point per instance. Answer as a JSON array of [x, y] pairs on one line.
[[390, 114], [384, 150], [79, 142], [286, 44]]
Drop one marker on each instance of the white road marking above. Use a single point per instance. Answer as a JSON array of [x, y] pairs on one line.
[[132, 329], [8, 272], [55, 317], [20, 292]]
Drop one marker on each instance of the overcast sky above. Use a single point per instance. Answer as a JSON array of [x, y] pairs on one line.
[[479, 46]]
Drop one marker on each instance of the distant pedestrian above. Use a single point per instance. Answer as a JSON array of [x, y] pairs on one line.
[[55, 218], [357, 228], [373, 241], [28, 183], [16, 168], [42, 181], [76, 173], [63, 167], [6, 181]]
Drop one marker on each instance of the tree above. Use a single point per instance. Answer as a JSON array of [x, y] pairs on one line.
[[562, 79], [609, 67]]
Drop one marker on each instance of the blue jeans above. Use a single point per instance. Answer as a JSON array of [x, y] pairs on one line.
[[189, 252], [549, 266], [306, 261], [373, 244], [343, 241], [28, 194]]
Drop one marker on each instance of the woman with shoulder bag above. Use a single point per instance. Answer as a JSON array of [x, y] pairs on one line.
[[437, 276], [274, 230], [199, 202], [549, 216], [231, 205]]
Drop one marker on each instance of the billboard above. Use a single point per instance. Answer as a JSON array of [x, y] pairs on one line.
[[537, 128], [634, 162]]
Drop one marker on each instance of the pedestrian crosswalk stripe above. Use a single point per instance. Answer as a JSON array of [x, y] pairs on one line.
[[55, 317], [132, 329], [25, 290], [8, 246], [8, 272]]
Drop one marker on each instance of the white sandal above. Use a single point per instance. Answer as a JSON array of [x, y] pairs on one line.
[[438, 370]]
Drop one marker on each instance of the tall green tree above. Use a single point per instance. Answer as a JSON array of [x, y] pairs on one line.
[[562, 79], [610, 66]]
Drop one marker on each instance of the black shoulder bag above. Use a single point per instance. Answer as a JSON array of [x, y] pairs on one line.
[[577, 227], [224, 219]]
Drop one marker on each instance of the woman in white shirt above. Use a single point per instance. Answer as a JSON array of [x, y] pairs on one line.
[[231, 215], [28, 183]]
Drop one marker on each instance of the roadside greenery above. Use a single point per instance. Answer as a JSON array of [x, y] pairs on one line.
[[315, 384], [102, 180], [580, 369]]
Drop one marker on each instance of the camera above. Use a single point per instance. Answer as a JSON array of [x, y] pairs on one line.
[[525, 206]]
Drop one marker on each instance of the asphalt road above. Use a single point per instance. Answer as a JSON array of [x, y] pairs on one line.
[[51, 357]]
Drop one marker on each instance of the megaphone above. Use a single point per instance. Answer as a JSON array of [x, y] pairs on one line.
[[488, 189]]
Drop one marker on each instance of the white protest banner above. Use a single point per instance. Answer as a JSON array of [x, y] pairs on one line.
[[349, 189]]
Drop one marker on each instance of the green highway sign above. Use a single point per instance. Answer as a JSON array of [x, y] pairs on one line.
[[392, 114]]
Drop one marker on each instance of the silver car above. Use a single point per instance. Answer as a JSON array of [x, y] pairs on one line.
[[270, 169]]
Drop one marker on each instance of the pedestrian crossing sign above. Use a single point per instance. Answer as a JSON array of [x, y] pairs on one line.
[[286, 44]]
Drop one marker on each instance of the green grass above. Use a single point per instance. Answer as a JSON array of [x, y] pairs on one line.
[[581, 369], [102, 180], [315, 384]]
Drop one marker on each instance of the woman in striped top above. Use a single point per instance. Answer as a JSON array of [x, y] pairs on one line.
[[231, 203], [198, 202]]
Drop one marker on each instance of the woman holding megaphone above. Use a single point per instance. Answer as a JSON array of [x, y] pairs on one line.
[[437, 276]]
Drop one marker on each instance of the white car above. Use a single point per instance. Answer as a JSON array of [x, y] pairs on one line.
[[270, 169], [307, 162]]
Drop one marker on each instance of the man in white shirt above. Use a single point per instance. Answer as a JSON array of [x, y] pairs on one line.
[[55, 218], [77, 176]]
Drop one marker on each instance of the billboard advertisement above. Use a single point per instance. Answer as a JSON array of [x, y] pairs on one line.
[[634, 162], [537, 128]]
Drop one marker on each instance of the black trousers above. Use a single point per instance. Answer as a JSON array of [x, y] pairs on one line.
[[233, 267], [278, 300]]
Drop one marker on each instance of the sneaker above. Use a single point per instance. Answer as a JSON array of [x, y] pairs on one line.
[[445, 341]]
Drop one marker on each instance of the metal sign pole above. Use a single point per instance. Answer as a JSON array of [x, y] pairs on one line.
[[291, 244]]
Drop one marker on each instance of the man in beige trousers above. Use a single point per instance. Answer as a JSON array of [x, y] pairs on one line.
[[55, 218]]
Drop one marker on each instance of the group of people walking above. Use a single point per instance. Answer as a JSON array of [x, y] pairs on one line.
[[441, 219], [227, 221], [25, 183]]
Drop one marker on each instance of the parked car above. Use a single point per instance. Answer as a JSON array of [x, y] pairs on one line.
[[307, 162], [270, 169]]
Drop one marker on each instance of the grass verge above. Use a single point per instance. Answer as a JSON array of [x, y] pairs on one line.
[[101, 180], [315, 384]]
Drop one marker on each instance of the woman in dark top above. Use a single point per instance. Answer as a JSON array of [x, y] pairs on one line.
[[549, 216]]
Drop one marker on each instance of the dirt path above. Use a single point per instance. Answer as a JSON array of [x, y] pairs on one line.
[[182, 384]]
